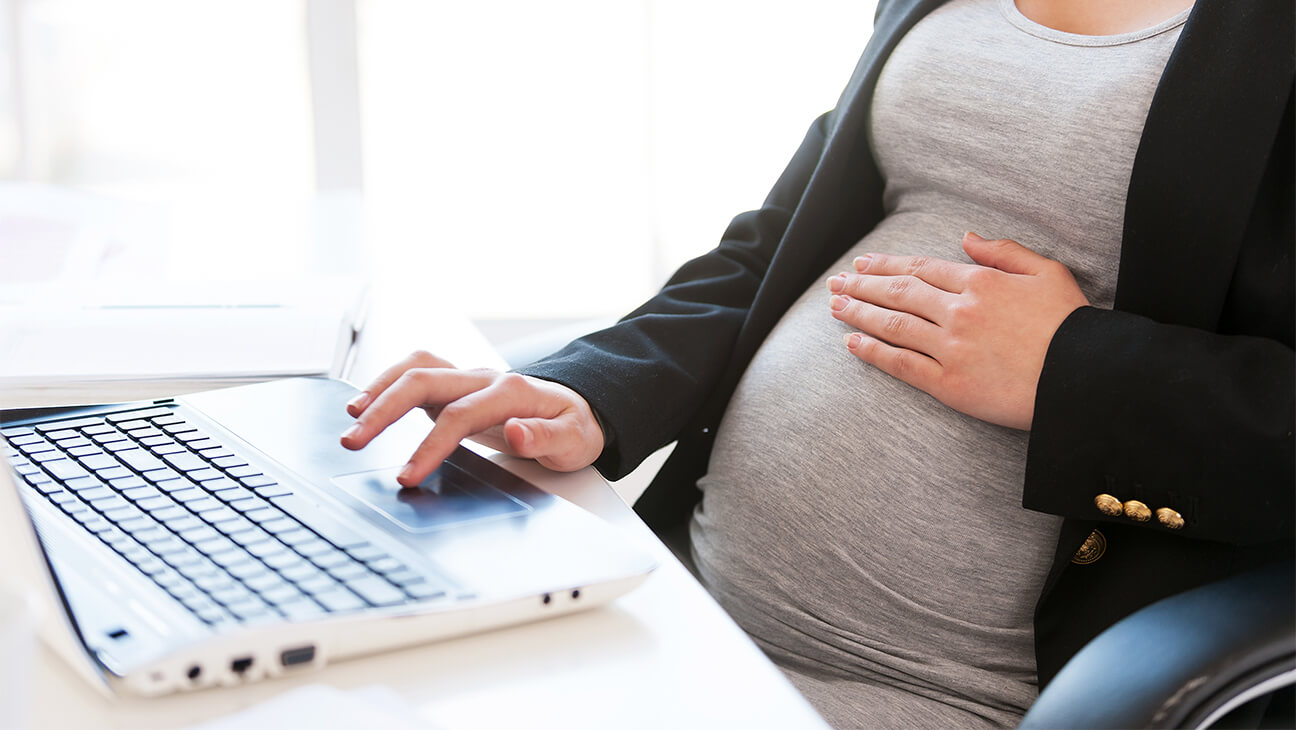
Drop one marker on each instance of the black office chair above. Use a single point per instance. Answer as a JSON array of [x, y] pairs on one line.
[[1221, 655]]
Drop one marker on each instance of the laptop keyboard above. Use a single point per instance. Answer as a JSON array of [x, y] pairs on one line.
[[226, 540]]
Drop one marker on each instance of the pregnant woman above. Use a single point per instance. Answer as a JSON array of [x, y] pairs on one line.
[[1049, 379]]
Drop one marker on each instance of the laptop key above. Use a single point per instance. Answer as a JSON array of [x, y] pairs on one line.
[[187, 494], [247, 570], [140, 460], [135, 494], [185, 461], [348, 571], [339, 599], [328, 527], [167, 514], [280, 558], [65, 469], [233, 593], [111, 435], [79, 484], [300, 609], [270, 491], [46, 487], [249, 611], [386, 565], [226, 462], [199, 533], [213, 615], [84, 452], [152, 503], [35, 446], [424, 591], [61, 434], [141, 413], [317, 584], [204, 475], [377, 591], [99, 461], [333, 559], [221, 485], [277, 593], [90, 494], [266, 581]]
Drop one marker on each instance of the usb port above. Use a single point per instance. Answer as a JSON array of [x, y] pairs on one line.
[[298, 655]]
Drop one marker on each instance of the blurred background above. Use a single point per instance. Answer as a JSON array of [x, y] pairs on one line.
[[534, 164]]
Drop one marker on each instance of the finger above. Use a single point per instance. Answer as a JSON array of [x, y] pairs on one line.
[[898, 328], [1005, 254], [473, 413], [417, 359], [900, 293], [947, 275], [917, 370], [557, 443], [413, 389]]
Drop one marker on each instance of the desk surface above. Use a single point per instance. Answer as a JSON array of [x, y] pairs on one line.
[[663, 656]]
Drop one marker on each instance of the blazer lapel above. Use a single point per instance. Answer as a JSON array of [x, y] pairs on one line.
[[1215, 113]]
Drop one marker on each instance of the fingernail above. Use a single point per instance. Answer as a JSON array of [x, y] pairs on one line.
[[406, 473], [838, 303], [352, 432], [853, 340], [527, 436], [862, 262], [973, 236], [837, 283], [360, 401]]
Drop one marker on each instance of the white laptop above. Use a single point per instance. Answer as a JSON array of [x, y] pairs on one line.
[[226, 536]]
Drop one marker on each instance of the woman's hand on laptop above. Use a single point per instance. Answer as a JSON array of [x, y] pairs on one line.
[[517, 414]]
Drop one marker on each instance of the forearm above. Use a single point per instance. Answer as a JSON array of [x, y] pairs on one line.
[[1170, 416]]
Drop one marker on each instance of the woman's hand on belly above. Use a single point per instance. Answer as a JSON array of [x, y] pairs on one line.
[[517, 414], [971, 335]]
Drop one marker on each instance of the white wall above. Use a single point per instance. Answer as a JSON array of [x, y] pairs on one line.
[[545, 160]]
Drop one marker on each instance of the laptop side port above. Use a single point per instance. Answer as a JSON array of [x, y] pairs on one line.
[[241, 665], [297, 655]]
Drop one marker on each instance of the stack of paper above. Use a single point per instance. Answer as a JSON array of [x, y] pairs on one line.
[[153, 342]]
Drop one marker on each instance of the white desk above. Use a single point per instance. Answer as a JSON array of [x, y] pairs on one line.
[[664, 656]]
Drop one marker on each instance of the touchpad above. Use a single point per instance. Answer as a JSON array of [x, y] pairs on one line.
[[449, 496]]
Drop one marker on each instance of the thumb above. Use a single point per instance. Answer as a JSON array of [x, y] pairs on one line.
[[1003, 254], [554, 442]]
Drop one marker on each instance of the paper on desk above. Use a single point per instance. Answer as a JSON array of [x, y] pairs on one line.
[[97, 348], [322, 707]]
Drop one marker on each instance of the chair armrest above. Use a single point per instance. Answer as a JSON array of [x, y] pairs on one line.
[[1183, 661]]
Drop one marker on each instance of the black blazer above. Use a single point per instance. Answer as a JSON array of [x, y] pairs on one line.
[[1182, 397]]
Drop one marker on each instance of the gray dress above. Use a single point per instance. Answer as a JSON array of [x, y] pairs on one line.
[[869, 538]]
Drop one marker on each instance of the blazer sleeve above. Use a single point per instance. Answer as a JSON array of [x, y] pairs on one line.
[[1170, 416], [645, 376]]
